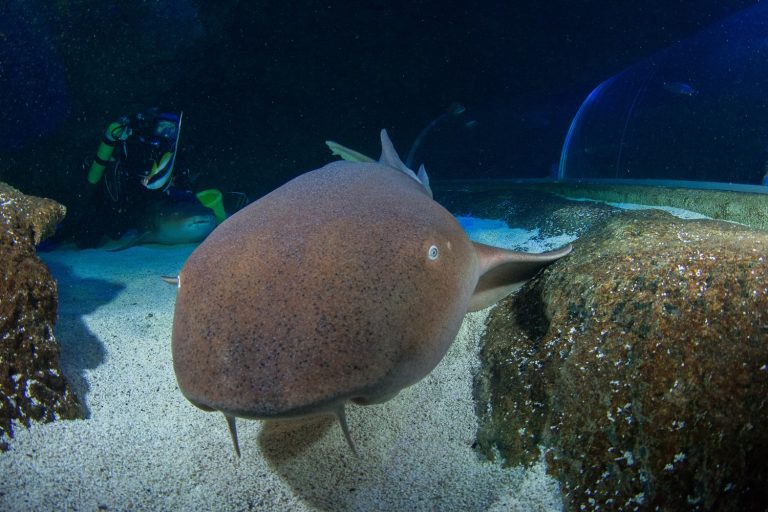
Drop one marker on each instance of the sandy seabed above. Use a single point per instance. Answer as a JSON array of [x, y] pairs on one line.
[[145, 447]]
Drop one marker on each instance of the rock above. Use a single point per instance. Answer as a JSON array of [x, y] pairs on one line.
[[27, 219], [640, 362], [31, 385]]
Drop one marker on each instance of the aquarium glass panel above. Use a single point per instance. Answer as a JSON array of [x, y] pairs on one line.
[[697, 111]]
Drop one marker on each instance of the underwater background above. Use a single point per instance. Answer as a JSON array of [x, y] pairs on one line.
[[630, 374], [263, 85]]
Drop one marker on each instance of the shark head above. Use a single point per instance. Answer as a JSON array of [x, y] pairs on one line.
[[182, 223], [172, 223]]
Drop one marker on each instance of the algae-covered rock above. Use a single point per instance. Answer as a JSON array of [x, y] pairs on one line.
[[31, 385], [641, 362], [742, 207]]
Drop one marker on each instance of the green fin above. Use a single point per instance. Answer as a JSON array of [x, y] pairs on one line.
[[350, 155], [154, 170], [163, 162]]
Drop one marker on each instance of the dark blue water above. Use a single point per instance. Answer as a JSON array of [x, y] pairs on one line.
[[263, 85]]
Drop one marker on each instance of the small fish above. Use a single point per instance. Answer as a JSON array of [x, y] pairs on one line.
[[160, 175], [680, 88]]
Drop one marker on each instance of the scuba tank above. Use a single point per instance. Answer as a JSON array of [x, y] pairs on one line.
[[115, 132]]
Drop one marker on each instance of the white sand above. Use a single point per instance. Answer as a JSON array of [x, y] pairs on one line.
[[499, 234], [144, 447], [680, 213]]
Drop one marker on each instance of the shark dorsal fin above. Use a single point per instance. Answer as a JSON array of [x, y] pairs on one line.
[[390, 158], [423, 178]]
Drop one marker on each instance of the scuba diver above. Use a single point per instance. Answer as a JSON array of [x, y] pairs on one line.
[[158, 136], [136, 167]]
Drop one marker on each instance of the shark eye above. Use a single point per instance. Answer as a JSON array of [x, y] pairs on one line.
[[433, 252]]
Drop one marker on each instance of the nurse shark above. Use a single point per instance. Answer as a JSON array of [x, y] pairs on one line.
[[173, 223], [346, 284]]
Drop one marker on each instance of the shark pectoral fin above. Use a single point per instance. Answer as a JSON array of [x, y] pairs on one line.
[[341, 415], [145, 237], [503, 271], [377, 399], [174, 280], [233, 432]]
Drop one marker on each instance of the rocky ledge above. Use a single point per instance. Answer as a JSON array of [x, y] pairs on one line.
[[639, 363], [31, 385]]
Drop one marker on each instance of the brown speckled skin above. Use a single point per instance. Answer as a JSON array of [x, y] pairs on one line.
[[319, 293]]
